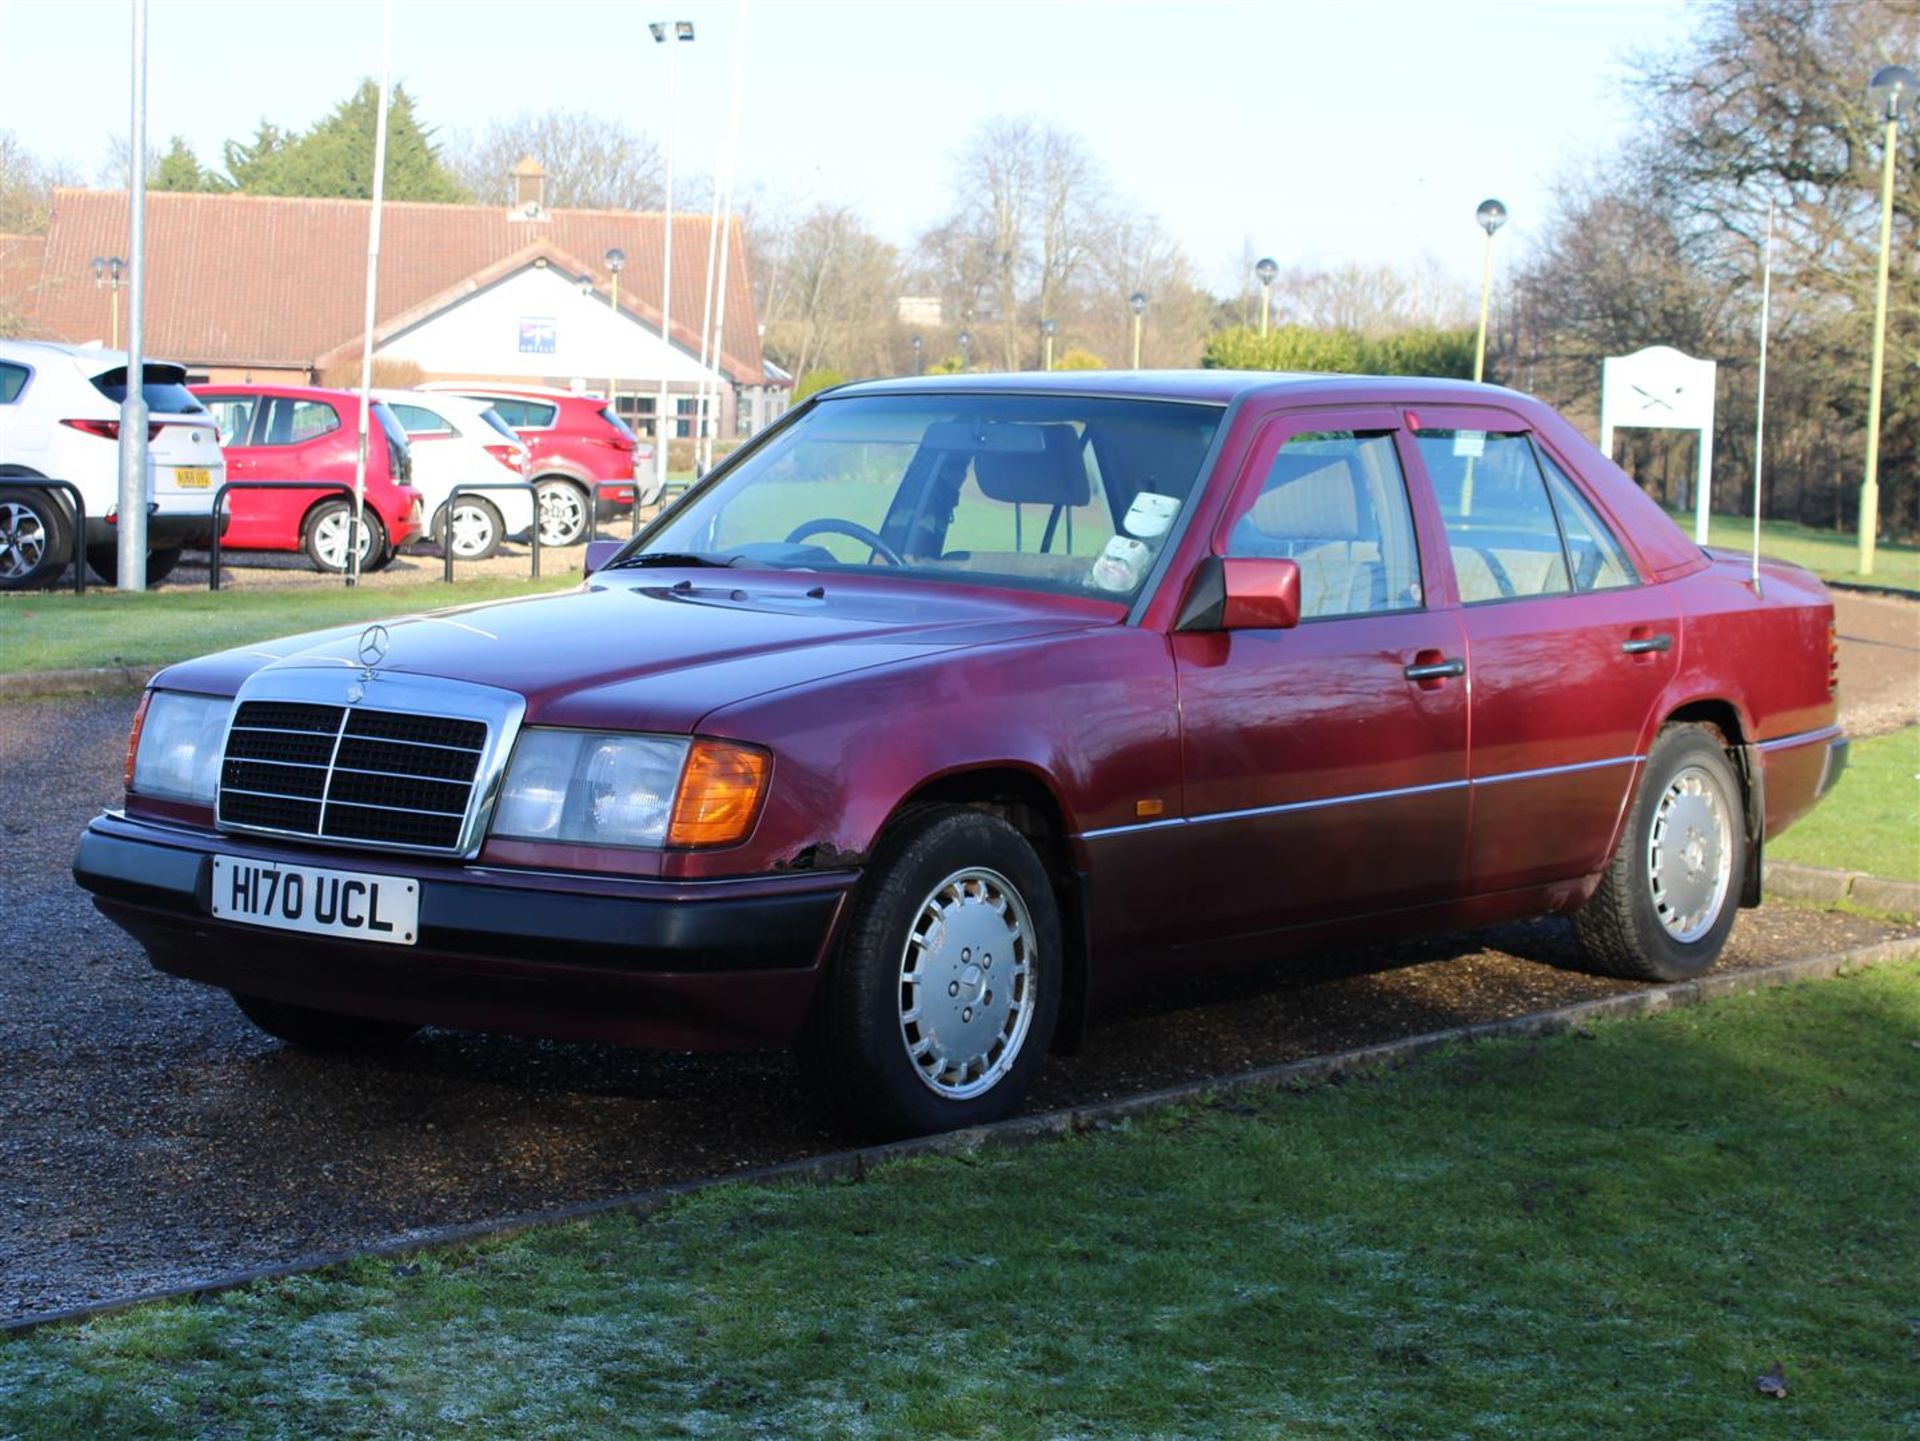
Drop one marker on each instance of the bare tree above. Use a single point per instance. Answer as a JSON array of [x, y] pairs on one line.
[[591, 162], [27, 184], [827, 291]]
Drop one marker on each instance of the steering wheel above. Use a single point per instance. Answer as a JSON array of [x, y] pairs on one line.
[[828, 524]]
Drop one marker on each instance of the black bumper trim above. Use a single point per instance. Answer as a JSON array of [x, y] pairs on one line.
[[474, 918]]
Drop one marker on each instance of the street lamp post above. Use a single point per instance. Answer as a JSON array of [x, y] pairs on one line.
[[965, 338], [614, 258], [1266, 270], [1491, 215], [1047, 329], [107, 270], [669, 35], [1137, 303], [1890, 89], [919, 355]]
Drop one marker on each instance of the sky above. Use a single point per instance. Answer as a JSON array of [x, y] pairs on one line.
[[1311, 132]]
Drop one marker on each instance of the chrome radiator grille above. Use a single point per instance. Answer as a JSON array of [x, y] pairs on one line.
[[351, 774]]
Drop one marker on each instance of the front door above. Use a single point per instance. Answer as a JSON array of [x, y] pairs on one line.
[[1325, 765], [1567, 651]]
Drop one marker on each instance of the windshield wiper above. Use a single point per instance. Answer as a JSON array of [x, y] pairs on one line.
[[674, 558]]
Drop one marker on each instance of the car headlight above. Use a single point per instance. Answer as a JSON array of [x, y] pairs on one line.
[[174, 753], [594, 788]]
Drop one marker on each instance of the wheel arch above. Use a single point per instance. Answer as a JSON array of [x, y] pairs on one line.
[[1725, 716], [1024, 797]]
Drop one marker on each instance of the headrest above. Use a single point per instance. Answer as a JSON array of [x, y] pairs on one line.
[[1308, 495], [1054, 474]]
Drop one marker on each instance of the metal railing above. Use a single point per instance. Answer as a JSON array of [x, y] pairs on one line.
[[78, 549], [220, 501], [533, 534]]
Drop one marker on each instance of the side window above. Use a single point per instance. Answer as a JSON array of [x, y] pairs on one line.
[[13, 380], [418, 420], [1336, 503], [514, 412], [1599, 563], [1500, 524], [292, 422], [232, 415]]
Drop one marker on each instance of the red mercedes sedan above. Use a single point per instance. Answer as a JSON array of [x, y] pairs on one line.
[[949, 710]]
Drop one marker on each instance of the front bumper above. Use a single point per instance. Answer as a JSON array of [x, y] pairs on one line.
[[682, 965]]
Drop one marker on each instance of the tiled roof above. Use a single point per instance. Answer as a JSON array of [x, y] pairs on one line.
[[269, 281]]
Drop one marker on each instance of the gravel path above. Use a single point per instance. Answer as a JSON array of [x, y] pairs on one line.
[[149, 1136], [1879, 661]]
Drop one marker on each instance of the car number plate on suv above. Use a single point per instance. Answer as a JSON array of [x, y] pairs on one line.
[[192, 477], [352, 904]]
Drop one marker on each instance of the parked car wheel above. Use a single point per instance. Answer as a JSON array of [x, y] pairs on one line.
[[1668, 900], [940, 1006], [104, 561], [321, 1030], [325, 540], [33, 539], [563, 512], [477, 528]]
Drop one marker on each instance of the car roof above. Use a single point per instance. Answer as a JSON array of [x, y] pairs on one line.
[[508, 387], [1208, 387], [274, 387]]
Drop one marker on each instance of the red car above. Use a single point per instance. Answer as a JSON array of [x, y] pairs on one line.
[[949, 710], [294, 433], [577, 442]]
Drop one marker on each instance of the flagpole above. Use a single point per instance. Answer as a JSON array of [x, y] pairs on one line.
[[726, 211], [373, 286], [1760, 399]]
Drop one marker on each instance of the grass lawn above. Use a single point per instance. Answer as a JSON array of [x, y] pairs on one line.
[[57, 630], [1871, 821], [1829, 554], [1574, 1237]]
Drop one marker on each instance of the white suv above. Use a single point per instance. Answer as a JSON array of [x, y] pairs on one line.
[[60, 420], [457, 441]]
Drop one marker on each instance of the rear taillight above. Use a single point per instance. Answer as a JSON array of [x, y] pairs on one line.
[[621, 442], [133, 736], [110, 429], [1833, 659], [511, 456]]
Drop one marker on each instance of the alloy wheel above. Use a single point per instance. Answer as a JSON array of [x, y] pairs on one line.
[[967, 983]]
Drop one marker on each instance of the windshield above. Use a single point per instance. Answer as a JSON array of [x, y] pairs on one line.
[[1049, 492]]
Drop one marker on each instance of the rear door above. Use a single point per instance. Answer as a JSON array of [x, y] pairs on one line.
[[1567, 651], [1325, 766]]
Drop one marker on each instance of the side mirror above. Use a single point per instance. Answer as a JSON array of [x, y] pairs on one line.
[[599, 552], [1260, 594]]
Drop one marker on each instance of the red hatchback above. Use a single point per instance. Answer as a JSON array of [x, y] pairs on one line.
[[291, 434], [577, 441]]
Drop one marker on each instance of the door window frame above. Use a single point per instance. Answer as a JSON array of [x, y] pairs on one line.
[[1275, 430]]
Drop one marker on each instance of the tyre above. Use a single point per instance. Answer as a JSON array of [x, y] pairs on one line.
[[104, 561], [325, 537], [477, 528], [1672, 891], [940, 1006], [321, 1030], [33, 539], [563, 511]]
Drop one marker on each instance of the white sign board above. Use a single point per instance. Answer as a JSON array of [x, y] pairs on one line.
[[1660, 389]]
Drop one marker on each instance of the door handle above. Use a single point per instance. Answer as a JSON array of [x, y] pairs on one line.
[[1435, 670], [1647, 644]]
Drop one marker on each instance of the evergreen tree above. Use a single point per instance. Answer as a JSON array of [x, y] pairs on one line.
[[335, 158], [180, 169]]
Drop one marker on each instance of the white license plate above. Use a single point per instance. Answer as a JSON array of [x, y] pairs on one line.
[[352, 904], [192, 477]]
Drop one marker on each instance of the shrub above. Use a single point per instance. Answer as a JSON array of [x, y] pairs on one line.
[[1442, 353], [387, 375], [1078, 359], [816, 380]]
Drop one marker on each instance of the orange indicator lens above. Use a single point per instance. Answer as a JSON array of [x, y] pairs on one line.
[[720, 794]]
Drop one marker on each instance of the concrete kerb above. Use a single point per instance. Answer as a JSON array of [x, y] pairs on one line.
[[854, 1165], [35, 684], [1818, 883]]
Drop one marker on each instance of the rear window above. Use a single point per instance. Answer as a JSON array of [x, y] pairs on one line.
[[163, 387], [13, 380], [522, 414], [494, 422], [626, 431], [418, 420]]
